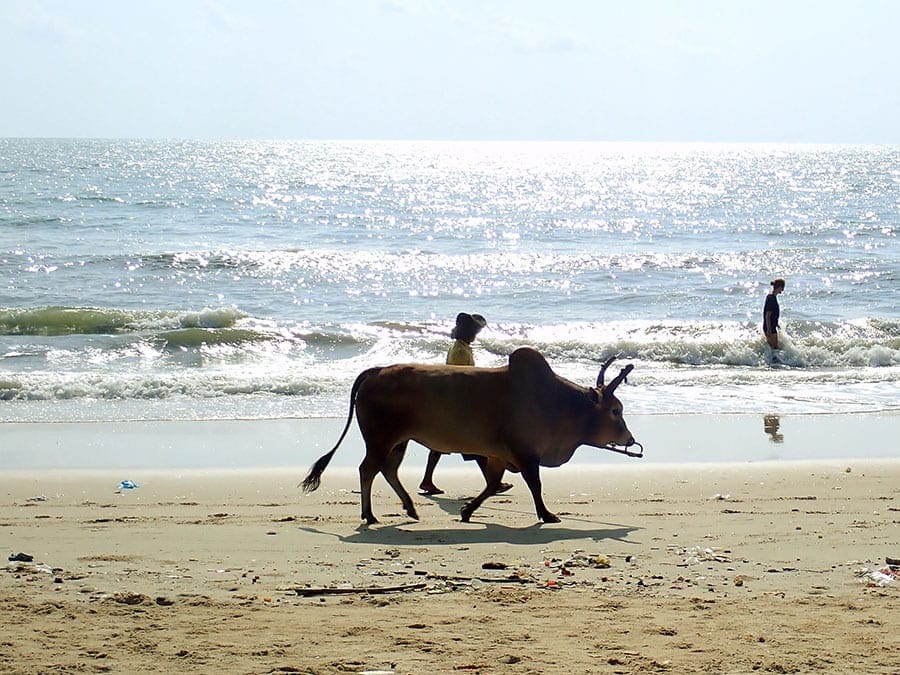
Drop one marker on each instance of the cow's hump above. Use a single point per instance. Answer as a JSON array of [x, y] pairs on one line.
[[529, 363]]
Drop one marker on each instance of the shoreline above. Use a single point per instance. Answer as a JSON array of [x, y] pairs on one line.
[[297, 442]]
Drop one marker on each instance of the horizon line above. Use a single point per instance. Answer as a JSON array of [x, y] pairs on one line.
[[275, 139]]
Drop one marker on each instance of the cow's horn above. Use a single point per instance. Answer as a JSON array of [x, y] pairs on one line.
[[617, 380], [603, 371]]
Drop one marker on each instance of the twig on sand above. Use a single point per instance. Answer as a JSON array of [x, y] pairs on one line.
[[365, 590], [376, 590], [509, 579]]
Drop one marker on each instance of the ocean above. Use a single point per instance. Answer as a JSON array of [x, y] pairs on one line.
[[219, 280]]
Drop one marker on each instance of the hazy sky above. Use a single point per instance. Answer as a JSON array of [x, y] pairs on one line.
[[678, 70]]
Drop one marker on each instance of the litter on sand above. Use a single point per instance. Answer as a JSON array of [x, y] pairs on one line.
[[875, 576]]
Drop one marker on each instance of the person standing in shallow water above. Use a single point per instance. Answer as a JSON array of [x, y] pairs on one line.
[[771, 312], [464, 333]]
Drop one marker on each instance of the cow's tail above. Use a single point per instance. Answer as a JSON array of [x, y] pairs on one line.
[[314, 477]]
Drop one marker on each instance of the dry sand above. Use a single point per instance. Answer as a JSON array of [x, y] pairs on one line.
[[699, 568]]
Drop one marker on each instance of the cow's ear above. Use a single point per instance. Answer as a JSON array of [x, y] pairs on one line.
[[595, 395]]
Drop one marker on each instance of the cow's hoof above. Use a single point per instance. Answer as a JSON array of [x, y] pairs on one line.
[[412, 514], [551, 518], [370, 520], [465, 514]]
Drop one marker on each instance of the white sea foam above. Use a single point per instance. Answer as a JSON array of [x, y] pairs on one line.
[[722, 367]]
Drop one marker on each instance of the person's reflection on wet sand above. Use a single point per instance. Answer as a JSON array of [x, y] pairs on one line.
[[771, 423]]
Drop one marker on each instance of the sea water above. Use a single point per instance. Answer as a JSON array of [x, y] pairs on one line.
[[181, 280]]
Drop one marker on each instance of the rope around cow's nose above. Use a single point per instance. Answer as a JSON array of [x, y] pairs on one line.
[[624, 449]]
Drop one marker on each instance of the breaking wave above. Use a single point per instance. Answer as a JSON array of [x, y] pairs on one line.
[[252, 366], [806, 344], [55, 321]]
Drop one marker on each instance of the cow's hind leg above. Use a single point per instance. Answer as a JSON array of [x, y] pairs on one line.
[[389, 471], [368, 469], [532, 475], [493, 474]]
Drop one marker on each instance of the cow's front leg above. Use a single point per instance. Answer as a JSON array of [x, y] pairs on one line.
[[531, 472], [493, 474]]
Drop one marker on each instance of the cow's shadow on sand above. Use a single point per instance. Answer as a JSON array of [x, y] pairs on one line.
[[479, 533], [482, 531]]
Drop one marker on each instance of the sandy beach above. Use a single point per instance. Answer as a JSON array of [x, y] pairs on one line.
[[730, 567]]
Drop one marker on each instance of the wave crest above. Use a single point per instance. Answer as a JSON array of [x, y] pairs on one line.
[[57, 321]]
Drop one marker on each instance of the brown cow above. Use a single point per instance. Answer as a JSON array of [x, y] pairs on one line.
[[521, 417]]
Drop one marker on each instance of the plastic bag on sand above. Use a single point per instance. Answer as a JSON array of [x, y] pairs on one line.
[[878, 577]]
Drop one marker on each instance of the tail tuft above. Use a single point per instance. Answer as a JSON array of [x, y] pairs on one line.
[[311, 482], [313, 478]]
